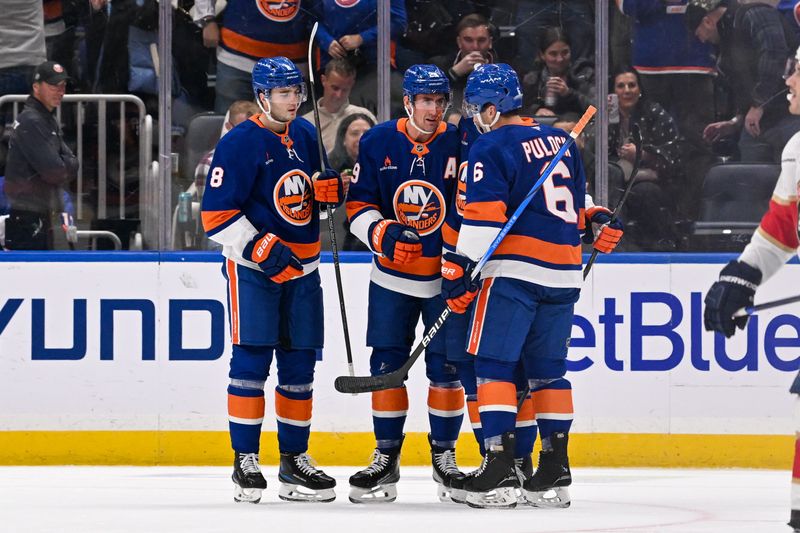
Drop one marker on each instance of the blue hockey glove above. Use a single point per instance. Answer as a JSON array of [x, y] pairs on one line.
[[274, 258], [735, 289], [458, 289]]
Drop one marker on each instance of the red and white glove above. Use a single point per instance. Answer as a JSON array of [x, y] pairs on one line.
[[398, 243], [610, 232], [458, 289]]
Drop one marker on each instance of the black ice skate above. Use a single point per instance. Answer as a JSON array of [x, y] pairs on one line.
[[457, 492], [548, 486], [524, 467], [378, 482], [247, 478], [445, 471], [495, 482], [301, 481]]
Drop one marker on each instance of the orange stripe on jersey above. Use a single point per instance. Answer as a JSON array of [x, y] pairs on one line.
[[233, 293], [53, 10], [780, 223], [497, 393], [304, 250], [390, 400], [256, 48], [354, 207], [581, 219], [553, 401], [474, 414], [478, 318], [449, 235], [444, 399], [214, 219], [424, 266], [560, 254], [247, 407], [526, 411], [290, 409], [488, 211]]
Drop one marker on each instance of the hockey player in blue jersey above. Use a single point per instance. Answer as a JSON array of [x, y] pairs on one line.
[[525, 305], [262, 205], [401, 189]]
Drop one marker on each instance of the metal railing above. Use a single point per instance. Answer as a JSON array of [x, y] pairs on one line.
[[147, 211]]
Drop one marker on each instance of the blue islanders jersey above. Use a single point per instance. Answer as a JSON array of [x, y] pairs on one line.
[[467, 133], [253, 29], [543, 246], [413, 183], [261, 180]]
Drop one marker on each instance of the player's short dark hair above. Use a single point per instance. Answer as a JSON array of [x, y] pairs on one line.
[[473, 20], [341, 66]]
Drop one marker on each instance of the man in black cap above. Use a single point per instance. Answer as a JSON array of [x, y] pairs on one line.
[[39, 163], [754, 42]]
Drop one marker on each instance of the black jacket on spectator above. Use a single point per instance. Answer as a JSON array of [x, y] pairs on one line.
[[755, 42], [580, 80], [39, 163]]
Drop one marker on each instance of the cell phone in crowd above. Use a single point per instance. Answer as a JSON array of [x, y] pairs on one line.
[[613, 109]]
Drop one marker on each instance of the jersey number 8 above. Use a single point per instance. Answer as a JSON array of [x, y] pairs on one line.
[[216, 177]]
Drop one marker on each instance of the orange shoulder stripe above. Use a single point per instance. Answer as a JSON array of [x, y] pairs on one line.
[[486, 211]]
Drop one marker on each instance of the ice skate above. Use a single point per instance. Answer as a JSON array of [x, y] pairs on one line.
[[548, 485], [247, 478], [494, 484], [301, 481], [524, 468], [378, 482], [445, 470]]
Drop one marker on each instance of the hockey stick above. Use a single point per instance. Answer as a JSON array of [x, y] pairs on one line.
[[330, 210], [391, 380], [745, 311], [637, 142]]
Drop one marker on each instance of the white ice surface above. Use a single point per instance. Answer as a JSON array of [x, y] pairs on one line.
[[199, 499]]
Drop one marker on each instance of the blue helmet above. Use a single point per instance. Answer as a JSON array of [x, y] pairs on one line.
[[425, 79], [272, 72], [495, 84]]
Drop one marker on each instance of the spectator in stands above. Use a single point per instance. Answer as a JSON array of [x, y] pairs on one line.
[[59, 30], [350, 29], [334, 106], [529, 18], [557, 85], [790, 9], [345, 151], [251, 30], [342, 159], [474, 42], [754, 42], [22, 44], [39, 163], [669, 59], [650, 206]]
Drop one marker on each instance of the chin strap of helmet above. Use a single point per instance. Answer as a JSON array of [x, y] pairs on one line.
[[409, 109], [486, 127], [268, 109]]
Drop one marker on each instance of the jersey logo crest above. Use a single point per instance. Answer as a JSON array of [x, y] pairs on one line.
[[292, 197], [420, 205], [347, 3], [279, 10], [461, 193]]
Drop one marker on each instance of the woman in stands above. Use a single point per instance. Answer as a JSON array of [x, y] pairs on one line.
[[650, 208], [345, 149], [556, 85]]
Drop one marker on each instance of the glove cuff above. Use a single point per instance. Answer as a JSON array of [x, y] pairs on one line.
[[740, 273], [376, 232]]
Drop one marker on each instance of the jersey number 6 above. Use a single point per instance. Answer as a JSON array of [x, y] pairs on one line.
[[558, 198]]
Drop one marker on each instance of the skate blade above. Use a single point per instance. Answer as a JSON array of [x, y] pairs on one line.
[[298, 493], [499, 498], [458, 496], [444, 493], [555, 498], [241, 495], [381, 494]]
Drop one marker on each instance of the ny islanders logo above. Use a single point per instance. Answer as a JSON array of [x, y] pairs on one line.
[[292, 197], [279, 11], [461, 193], [347, 3], [420, 205]]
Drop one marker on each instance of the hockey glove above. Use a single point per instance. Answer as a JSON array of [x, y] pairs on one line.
[[398, 243], [328, 187], [735, 289], [609, 233], [274, 258], [458, 289], [70, 230]]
